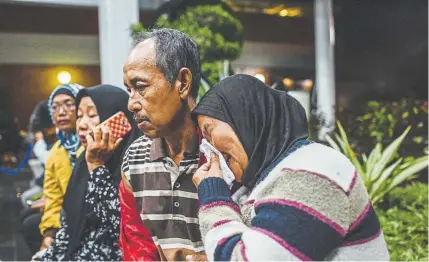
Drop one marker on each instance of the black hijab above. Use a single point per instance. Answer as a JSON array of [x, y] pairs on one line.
[[109, 100], [267, 121]]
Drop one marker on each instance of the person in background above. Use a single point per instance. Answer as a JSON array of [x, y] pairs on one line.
[[300, 200], [61, 158], [42, 127], [90, 221], [162, 74], [44, 136]]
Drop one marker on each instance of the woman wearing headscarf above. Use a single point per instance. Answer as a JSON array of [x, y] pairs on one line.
[[91, 211], [300, 200], [61, 158]]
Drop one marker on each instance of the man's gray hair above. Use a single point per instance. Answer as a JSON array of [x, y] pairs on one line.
[[174, 50]]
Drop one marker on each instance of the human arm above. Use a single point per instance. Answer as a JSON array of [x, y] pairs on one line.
[[57, 250], [50, 221], [40, 150], [294, 219]]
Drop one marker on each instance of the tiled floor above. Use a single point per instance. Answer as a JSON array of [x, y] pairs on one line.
[[12, 245]]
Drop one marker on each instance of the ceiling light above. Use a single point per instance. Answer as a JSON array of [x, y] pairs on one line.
[[284, 12], [287, 82], [64, 77]]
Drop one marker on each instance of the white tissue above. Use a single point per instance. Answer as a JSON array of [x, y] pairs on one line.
[[227, 174]]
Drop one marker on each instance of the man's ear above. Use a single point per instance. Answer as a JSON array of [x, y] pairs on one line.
[[184, 82]]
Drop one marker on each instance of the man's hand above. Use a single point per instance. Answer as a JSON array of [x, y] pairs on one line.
[[100, 147], [47, 242], [209, 169]]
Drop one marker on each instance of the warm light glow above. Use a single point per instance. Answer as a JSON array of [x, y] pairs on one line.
[[64, 77], [260, 77], [307, 84], [293, 12], [284, 12], [274, 10], [281, 10], [287, 82]]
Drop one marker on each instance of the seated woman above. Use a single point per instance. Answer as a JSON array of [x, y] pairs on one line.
[[91, 210], [300, 200]]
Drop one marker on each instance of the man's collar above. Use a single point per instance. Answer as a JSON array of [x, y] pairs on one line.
[[158, 148]]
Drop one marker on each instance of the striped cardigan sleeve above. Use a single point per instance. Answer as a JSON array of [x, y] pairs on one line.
[[297, 216]]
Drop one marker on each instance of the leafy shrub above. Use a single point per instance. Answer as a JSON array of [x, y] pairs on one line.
[[405, 223], [382, 170], [218, 34], [382, 121]]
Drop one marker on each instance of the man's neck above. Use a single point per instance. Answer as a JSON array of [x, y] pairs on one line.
[[180, 139]]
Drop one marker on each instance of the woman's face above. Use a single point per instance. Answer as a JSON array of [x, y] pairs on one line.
[[87, 118], [223, 138], [63, 109]]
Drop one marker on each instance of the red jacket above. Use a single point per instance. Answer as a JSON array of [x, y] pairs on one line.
[[135, 240]]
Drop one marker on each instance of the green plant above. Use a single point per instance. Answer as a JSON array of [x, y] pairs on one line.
[[215, 72], [405, 223], [381, 121], [136, 28], [383, 169], [218, 34]]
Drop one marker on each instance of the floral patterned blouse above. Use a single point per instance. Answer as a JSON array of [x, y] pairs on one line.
[[100, 242]]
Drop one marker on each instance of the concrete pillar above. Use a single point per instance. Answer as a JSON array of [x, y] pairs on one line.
[[325, 65], [115, 18]]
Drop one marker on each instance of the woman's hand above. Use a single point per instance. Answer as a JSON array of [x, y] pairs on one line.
[[47, 242], [209, 169], [100, 147], [39, 204], [196, 257]]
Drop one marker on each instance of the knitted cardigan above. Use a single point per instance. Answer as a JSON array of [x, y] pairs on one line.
[[311, 206]]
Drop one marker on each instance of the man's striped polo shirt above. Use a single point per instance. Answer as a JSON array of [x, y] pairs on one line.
[[165, 195]]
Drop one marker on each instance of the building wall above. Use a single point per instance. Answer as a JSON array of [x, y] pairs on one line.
[[23, 86], [36, 41], [26, 55]]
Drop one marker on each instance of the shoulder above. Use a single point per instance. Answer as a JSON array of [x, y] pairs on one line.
[[139, 150], [320, 161], [141, 146], [54, 153], [56, 147], [141, 142]]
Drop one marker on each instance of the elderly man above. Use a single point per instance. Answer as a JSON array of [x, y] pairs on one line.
[[162, 74]]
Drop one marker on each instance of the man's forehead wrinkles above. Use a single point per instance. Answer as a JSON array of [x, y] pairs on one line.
[[139, 62]]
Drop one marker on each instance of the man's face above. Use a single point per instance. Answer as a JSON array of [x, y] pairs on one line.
[[154, 101], [63, 110]]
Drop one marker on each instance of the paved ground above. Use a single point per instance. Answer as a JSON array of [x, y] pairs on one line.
[[12, 246]]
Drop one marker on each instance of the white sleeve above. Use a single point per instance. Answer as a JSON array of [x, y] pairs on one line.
[[41, 151]]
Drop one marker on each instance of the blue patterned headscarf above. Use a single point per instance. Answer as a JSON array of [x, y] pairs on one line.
[[70, 141]]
